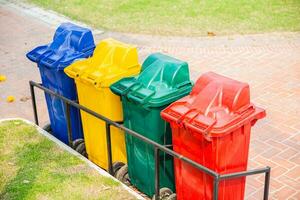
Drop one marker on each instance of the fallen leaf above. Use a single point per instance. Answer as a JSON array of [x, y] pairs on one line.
[[2, 78], [106, 188], [211, 34], [24, 99], [10, 99]]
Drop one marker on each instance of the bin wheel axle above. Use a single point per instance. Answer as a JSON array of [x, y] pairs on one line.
[[122, 175], [77, 142], [47, 128], [116, 166], [79, 146], [165, 194], [172, 197]]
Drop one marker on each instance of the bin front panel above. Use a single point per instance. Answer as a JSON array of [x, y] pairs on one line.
[[111, 61], [163, 79], [222, 154], [105, 103], [70, 42], [140, 155], [58, 82], [212, 127]]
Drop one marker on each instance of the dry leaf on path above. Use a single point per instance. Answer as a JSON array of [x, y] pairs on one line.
[[24, 99], [211, 34]]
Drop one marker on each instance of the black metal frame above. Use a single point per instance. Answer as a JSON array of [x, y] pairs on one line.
[[157, 147]]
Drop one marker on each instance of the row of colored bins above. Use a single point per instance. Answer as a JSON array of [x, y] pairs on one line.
[[210, 126]]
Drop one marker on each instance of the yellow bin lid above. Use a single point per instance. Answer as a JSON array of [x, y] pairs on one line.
[[111, 61]]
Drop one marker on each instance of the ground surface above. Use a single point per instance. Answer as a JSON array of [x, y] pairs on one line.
[[177, 17], [33, 167], [270, 63]]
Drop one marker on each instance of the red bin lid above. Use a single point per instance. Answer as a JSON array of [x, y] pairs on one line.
[[217, 105]]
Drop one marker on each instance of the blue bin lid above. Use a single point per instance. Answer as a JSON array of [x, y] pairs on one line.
[[70, 42]]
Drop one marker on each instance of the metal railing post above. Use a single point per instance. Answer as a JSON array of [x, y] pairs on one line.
[[157, 147], [108, 145], [156, 158], [69, 127], [267, 183], [36, 119], [216, 187]]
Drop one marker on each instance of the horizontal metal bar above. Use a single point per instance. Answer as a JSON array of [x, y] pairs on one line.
[[244, 173], [129, 131], [156, 145]]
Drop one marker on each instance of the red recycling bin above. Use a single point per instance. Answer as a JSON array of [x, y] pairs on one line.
[[212, 127]]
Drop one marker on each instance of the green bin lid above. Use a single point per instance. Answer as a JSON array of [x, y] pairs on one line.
[[163, 80]]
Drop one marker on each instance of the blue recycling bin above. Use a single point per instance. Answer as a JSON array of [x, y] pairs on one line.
[[70, 42]]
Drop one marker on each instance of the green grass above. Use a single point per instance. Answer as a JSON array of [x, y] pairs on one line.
[[33, 167], [182, 17]]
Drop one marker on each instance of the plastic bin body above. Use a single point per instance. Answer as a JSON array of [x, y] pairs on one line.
[[163, 80], [112, 60], [70, 42], [212, 126], [56, 107], [140, 155]]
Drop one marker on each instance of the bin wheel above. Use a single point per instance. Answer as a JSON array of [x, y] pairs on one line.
[[122, 175], [81, 149], [77, 142], [47, 128], [164, 194], [116, 166], [172, 197]]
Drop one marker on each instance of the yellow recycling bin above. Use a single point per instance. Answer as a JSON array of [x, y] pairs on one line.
[[112, 60]]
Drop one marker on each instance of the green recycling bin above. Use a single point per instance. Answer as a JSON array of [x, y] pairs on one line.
[[163, 80]]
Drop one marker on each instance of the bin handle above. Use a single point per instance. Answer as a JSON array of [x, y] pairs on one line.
[[46, 52], [168, 116], [46, 60], [38, 56], [137, 99], [140, 100], [121, 92], [72, 73], [204, 131], [172, 116], [90, 80], [180, 85], [180, 119]]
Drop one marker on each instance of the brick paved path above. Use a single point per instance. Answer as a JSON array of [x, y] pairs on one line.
[[270, 63]]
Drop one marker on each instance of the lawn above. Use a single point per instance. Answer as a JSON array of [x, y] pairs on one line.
[[182, 17], [33, 167]]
